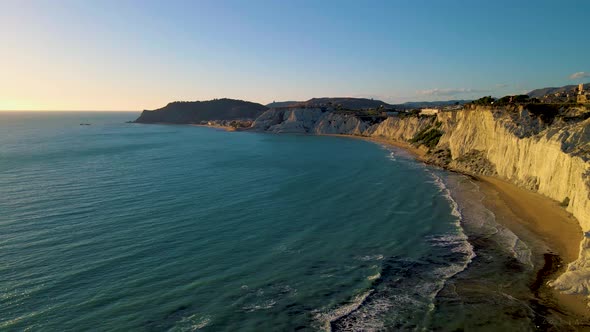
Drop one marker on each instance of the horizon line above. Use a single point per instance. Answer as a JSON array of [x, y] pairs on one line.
[[71, 110]]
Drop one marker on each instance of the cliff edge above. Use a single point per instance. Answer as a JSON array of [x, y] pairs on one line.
[[520, 147], [531, 148]]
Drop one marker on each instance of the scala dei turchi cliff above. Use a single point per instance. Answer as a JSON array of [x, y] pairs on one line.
[[542, 146], [543, 150], [520, 147]]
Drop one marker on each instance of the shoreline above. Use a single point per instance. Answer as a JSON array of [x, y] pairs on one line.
[[225, 128], [555, 233], [534, 218], [418, 153], [555, 236]]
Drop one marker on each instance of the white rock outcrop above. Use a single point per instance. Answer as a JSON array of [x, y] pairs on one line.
[[537, 159], [552, 161], [341, 124], [316, 121], [296, 120], [402, 128], [513, 145]]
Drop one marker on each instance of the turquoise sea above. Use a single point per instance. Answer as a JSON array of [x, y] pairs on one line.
[[119, 226]]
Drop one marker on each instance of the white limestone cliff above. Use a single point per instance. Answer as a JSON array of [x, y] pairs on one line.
[[341, 124], [551, 160], [295, 120], [513, 145], [316, 121], [402, 129]]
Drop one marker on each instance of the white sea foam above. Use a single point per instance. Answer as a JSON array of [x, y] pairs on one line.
[[193, 322], [391, 156], [359, 316], [263, 299], [260, 306], [457, 242], [369, 258], [374, 277], [455, 211], [325, 318], [402, 296], [454, 242], [485, 222], [519, 249]]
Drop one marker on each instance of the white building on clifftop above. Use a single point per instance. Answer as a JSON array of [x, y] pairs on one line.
[[429, 111]]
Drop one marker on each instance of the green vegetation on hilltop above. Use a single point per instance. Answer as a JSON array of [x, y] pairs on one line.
[[197, 111], [547, 112], [428, 136], [347, 103], [487, 100]]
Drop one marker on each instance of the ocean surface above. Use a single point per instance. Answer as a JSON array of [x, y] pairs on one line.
[[118, 226]]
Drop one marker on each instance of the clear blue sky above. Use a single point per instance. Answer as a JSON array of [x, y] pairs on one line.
[[142, 54]]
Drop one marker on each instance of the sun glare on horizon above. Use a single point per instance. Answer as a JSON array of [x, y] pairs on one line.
[[8, 105]]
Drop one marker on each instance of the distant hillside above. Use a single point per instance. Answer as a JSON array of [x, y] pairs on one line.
[[426, 104], [364, 103], [197, 111], [539, 93], [347, 102], [283, 104]]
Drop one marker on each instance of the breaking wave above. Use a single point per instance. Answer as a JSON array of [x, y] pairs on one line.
[[402, 294]]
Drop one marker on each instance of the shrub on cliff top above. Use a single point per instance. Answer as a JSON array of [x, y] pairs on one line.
[[428, 137], [546, 112], [487, 100]]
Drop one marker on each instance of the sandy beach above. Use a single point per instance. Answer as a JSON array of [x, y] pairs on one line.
[[226, 128], [541, 222], [550, 229]]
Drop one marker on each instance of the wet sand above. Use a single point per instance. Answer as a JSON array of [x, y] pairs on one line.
[[554, 235], [552, 232]]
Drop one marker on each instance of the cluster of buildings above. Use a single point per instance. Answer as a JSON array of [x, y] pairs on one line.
[[558, 97], [577, 95], [436, 110], [380, 111], [582, 96]]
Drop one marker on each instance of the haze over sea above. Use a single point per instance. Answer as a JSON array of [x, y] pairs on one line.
[[120, 226]]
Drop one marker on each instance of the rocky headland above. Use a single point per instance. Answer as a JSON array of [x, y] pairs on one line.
[[545, 155], [541, 148], [200, 112]]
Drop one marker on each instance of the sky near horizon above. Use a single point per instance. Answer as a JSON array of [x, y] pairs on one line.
[[135, 55]]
